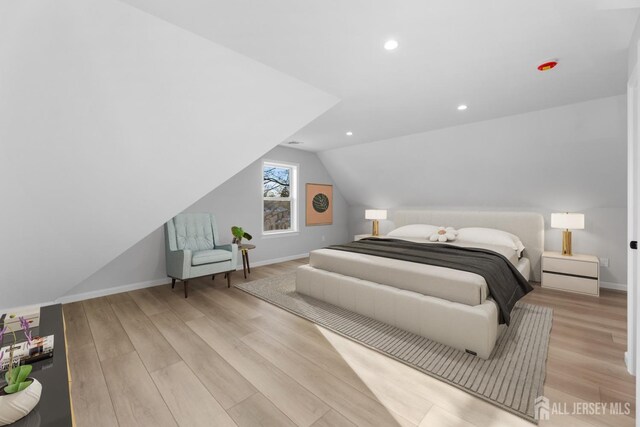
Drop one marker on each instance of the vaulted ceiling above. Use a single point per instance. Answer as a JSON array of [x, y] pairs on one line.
[[111, 122], [479, 53]]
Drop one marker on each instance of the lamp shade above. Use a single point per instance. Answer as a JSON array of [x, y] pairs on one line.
[[375, 214], [567, 221]]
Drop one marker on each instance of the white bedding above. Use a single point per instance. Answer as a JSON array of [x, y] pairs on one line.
[[441, 282]]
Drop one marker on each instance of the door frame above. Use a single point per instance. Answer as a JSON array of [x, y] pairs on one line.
[[633, 123]]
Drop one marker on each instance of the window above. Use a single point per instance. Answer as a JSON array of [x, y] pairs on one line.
[[279, 210]]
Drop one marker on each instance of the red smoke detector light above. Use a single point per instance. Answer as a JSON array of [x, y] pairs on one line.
[[547, 65]]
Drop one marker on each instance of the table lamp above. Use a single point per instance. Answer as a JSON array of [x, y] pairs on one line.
[[567, 221], [375, 215]]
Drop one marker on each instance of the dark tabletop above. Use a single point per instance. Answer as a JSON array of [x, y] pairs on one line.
[[54, 408]]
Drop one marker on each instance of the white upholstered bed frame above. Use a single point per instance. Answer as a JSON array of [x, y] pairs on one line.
[[467, 328]]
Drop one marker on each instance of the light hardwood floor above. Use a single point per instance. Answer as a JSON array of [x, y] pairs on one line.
[[222, 357]]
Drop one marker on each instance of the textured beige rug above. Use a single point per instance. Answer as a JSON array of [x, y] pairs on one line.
[[511, 378]]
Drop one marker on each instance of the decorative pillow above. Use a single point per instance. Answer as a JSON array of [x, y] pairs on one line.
[[444, 235], [491, 236], [422, 231]]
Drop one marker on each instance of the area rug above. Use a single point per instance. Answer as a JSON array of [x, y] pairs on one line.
[[512, 378]]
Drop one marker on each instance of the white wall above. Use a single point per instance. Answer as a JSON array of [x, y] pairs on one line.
[[632, 53], [570, 158], [236, 202], [111, 121]]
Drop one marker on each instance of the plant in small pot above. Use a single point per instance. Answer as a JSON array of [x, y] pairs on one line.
[[239, 234], [21, 393]]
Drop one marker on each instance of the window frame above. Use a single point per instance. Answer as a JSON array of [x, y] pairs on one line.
[[293, 198]]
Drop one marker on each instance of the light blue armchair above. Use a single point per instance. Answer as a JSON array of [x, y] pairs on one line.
[[193, 250]]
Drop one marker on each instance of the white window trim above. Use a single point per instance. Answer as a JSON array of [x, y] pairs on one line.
[[295, 169]]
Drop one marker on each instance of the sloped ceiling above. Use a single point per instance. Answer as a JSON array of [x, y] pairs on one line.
[[480, 53], [566, 158], [111, 121]]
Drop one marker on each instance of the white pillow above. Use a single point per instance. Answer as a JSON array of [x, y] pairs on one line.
[[491, 236], [414, 230]]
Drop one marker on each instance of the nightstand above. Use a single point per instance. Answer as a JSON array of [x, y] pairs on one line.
[[576, 273], [363, 236]]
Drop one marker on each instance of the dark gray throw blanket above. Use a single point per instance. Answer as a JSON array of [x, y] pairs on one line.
[[506, 284]]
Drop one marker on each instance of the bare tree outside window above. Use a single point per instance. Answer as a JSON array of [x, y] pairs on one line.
[[276, 181], [278, 203]]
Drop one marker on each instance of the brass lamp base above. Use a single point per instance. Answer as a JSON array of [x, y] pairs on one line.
[[375, 231], [566, 243]]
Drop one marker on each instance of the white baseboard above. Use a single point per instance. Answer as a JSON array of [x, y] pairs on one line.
[[110, 291], [614, 286], [35, 305], [150, 283], [627, 362], [277, 260]]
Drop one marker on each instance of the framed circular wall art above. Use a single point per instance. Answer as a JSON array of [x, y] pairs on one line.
[[319, 204]]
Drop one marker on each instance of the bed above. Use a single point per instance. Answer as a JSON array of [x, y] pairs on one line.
[[449, 306]]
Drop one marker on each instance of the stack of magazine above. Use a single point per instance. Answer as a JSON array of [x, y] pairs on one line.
[[23, 352]]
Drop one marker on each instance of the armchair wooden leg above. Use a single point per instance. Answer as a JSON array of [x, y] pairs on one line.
[[173, 283], [186, 285], [229, 279], [213, 277]]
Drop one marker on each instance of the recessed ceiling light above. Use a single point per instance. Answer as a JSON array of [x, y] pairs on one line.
[[462, 107], [391, 44], [295, 142], [349, 133]]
